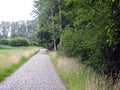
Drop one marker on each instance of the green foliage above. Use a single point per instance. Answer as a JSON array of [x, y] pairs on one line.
[[34, 43], [44, 39], [5, 47], [4, 41], [19, 42], [70, 42], [49, 20], [93, 33], [90, 30], [24, 29]]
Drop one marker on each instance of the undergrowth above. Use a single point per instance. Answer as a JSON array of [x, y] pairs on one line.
[[77, 76]]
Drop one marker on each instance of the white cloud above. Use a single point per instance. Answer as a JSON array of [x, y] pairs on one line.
[[15, 10]]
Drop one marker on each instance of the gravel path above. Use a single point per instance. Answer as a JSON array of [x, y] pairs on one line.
[[37, 74]]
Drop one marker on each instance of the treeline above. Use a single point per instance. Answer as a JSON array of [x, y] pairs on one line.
[[21, 33], [86, 29], [25, 29]]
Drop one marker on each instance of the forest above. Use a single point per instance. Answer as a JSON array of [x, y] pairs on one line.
[[85, 29]]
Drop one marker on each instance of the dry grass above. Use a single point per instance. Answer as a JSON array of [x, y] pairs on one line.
[[78, 77], [13, 57], [53, 55], [66, 64], [117, 85]]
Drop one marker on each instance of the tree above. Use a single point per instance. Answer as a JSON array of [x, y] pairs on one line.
[[49, 15], [4, 29], [89, 30], [45, 39], [92, 33], [24, 29]]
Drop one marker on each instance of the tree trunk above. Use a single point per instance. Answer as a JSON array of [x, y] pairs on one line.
[[53, 27], [60, 18], [55, 44]]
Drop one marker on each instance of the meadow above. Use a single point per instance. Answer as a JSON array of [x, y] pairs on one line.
[[77, 76], [13, 57]]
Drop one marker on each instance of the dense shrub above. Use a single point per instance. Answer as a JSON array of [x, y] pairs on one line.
[[74, 44], [94, 34], [45, 39], [34, 43], [4, 41], [19, 42], [70, 43]]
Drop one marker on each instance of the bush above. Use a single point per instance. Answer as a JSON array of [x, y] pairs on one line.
[[45, 39], [19, 42], [4, 41], [34, 43], [73, 44]]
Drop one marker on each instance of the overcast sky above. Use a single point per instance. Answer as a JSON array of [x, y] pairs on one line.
[[15, 10]]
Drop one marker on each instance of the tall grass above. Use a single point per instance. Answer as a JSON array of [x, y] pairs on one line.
[[14, 55], [79, 77], [12, 60], [5, 47]]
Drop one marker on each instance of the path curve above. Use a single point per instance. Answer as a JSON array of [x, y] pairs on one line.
[[36, 74]]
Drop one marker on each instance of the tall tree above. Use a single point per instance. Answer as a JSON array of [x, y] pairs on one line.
[[48, 18]]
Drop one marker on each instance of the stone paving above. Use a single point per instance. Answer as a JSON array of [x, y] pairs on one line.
[[36, 74]]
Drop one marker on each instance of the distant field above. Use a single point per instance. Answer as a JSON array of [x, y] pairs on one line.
[[13, 55]]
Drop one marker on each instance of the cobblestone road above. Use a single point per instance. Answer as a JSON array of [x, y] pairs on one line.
[[37, 74]]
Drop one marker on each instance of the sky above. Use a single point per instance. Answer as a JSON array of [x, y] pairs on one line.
[[15, 10]]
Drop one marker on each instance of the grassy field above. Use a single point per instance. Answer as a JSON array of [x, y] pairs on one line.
[[12, 58], [79, 77]]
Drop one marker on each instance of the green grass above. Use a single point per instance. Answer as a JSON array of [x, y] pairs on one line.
[[79, 77], [7, 51], [84, 80], [5, 72], [5, 47], [53, 57], [11, 50]]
